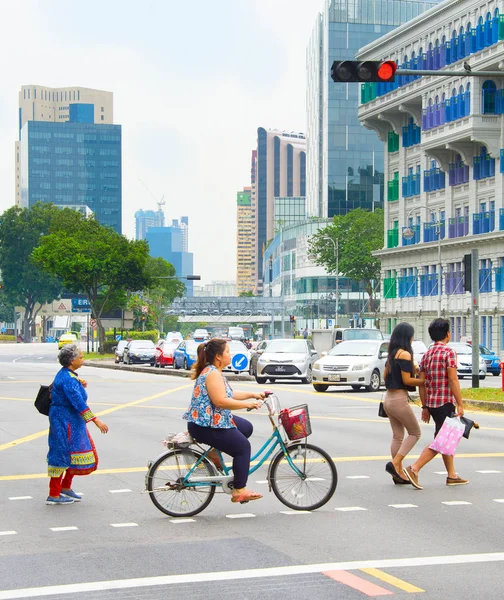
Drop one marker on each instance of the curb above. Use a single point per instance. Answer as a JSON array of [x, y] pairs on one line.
[[485, 404], [100, 364]]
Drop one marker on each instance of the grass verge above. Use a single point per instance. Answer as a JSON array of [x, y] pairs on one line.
[[487, 394], [96, 355]]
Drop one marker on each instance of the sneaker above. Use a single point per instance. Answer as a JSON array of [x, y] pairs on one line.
[[71, 494], [413, 477], [456, 481], [60, 500]]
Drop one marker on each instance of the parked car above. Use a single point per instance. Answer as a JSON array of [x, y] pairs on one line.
[[174, 336], [119, 350], [139, 351], [236, 333], [236, 347], [185, 354], [201, 335], [419, 349], [286, 359], [464, 361], [356, 333], [354, 363], [164, 353], [255, 353], [491, 359], [67, 338]]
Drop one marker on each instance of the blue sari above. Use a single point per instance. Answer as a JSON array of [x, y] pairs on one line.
[[70, 445]]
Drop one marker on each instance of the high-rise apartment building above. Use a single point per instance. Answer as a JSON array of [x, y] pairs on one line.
[[345, 160], [147, 218], [280, 172], [52, 105], [184, 228], [245, 242], [216, 289]]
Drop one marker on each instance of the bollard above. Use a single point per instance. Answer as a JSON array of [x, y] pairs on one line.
[[502, 372]]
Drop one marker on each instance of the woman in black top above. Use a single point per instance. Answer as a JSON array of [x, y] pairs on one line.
[[400, 378]]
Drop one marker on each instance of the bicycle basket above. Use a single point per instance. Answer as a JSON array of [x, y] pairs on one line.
[[296, 421]]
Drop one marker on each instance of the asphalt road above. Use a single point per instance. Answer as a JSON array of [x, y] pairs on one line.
[[371, 539]]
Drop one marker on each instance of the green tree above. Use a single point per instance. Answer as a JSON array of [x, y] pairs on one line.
[[248, 294], [94, 260], [25, 284], [358, 234]]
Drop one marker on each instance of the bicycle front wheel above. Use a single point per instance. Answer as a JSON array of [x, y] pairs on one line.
[[166, 487], [313, 486]]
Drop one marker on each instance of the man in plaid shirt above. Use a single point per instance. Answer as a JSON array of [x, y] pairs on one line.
[[439, 397]]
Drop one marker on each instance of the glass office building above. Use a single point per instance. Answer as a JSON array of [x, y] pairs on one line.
[[344, 160], [73, 163]]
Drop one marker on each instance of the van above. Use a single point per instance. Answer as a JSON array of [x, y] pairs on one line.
[[350, 333]]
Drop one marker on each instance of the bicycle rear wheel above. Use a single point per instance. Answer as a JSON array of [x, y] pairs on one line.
[[314, 487], [167, 490]]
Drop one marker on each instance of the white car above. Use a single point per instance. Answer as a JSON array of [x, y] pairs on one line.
[[354, 363], [464, 361], [239, 364], [419, 349], [201, 335], [286, 359]]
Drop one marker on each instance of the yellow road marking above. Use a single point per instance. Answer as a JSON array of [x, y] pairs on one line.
[[107, 411], [337, 459], [395, 581]]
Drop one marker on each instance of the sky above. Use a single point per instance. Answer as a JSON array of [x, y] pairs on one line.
[[192, 82]]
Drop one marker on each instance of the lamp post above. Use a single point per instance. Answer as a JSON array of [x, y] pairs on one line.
[[336, 258], [408, 233]]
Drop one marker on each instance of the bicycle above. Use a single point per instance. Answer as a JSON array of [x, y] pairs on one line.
[[182, 481]]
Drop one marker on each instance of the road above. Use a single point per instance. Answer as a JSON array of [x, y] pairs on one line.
[[371, 539]]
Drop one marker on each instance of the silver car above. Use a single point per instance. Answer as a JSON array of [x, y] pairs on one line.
[[286, 359], [354, 363]]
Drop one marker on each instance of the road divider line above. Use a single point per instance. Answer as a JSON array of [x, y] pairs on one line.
[[107, 411], [395, 581]]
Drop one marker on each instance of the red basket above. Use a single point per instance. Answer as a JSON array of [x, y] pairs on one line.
[[296, 421]]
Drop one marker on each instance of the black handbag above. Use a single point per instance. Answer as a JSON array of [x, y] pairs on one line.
[[43, 399], [381, 411], [469, 424]]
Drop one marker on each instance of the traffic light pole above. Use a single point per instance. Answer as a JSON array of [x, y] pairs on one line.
[[475, 318], [444, 73]]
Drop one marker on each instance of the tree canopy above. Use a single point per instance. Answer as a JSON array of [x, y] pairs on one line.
[[25, 283], [358, 233]]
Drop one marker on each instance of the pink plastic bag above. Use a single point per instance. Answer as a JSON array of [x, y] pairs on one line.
[[450, 434]]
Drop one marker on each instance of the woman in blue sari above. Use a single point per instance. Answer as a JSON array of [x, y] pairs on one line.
[[71, 449]]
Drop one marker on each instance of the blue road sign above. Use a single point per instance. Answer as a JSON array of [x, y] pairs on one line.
[[239, 362], [81, 305]]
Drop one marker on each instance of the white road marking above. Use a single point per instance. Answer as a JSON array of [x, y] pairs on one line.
[[182, 520], [456, 502], [21, 498], [121, 584], [124, 524], [40, 357], [119, 491], [357, 477], [241, 516], [350, 508], [499, 500], [295, 512], [403, 505], [8, 532], [261, 481], [488, 471], [63, 528], [441, 472]]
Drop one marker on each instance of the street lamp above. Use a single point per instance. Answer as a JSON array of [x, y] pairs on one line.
[[408, 233], [336, 258]]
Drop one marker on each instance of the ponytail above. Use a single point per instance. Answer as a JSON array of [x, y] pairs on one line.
[[207, 352]]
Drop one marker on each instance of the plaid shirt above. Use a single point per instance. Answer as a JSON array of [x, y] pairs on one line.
[[434, 364]]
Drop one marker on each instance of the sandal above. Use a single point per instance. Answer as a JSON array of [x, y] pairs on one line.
[[246, 496]]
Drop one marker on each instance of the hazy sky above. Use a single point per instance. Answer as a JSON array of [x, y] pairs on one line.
[[192, 81]]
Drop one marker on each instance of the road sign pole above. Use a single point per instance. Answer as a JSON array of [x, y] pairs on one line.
[[87, 336]]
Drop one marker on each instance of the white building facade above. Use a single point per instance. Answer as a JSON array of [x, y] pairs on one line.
[[444, 168]]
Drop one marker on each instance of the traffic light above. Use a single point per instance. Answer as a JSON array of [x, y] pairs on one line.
[[467, 273], [363, 71], [292, 319]]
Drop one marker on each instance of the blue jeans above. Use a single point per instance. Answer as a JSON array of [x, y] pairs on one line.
[[231, 441]]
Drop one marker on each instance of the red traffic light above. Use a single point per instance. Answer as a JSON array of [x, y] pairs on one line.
[[386, 70], [363, 71]]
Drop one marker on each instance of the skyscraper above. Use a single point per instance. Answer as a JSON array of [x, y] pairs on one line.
[[280, 171], [245, 242], [145, 219], [345, 160]]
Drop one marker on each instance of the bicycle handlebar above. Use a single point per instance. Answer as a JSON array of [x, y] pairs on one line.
[[267, 394]]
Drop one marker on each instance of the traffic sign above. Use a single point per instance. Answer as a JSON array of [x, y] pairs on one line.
[[92, 322], [239, 362]]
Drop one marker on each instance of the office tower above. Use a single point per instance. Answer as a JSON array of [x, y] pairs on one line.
[[184, 225], [39, 103], [147, 218], [245, 242], [345, 160], [280, 171], [73, 163], [167, 243]]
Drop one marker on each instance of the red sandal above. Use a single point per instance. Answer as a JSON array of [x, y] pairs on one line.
[[246, 496]]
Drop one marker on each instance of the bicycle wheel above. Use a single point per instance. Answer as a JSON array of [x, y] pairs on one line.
[[165, 487], [318, 481]]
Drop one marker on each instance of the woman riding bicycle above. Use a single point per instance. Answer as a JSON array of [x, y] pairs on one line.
[[209, 415]]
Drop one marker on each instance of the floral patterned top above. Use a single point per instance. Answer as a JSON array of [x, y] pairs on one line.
[[202, 411]]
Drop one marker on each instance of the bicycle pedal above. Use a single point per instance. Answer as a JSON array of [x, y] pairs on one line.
[[244, 502]]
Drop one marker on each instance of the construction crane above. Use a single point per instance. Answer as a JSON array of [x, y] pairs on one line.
[[160, 203]]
